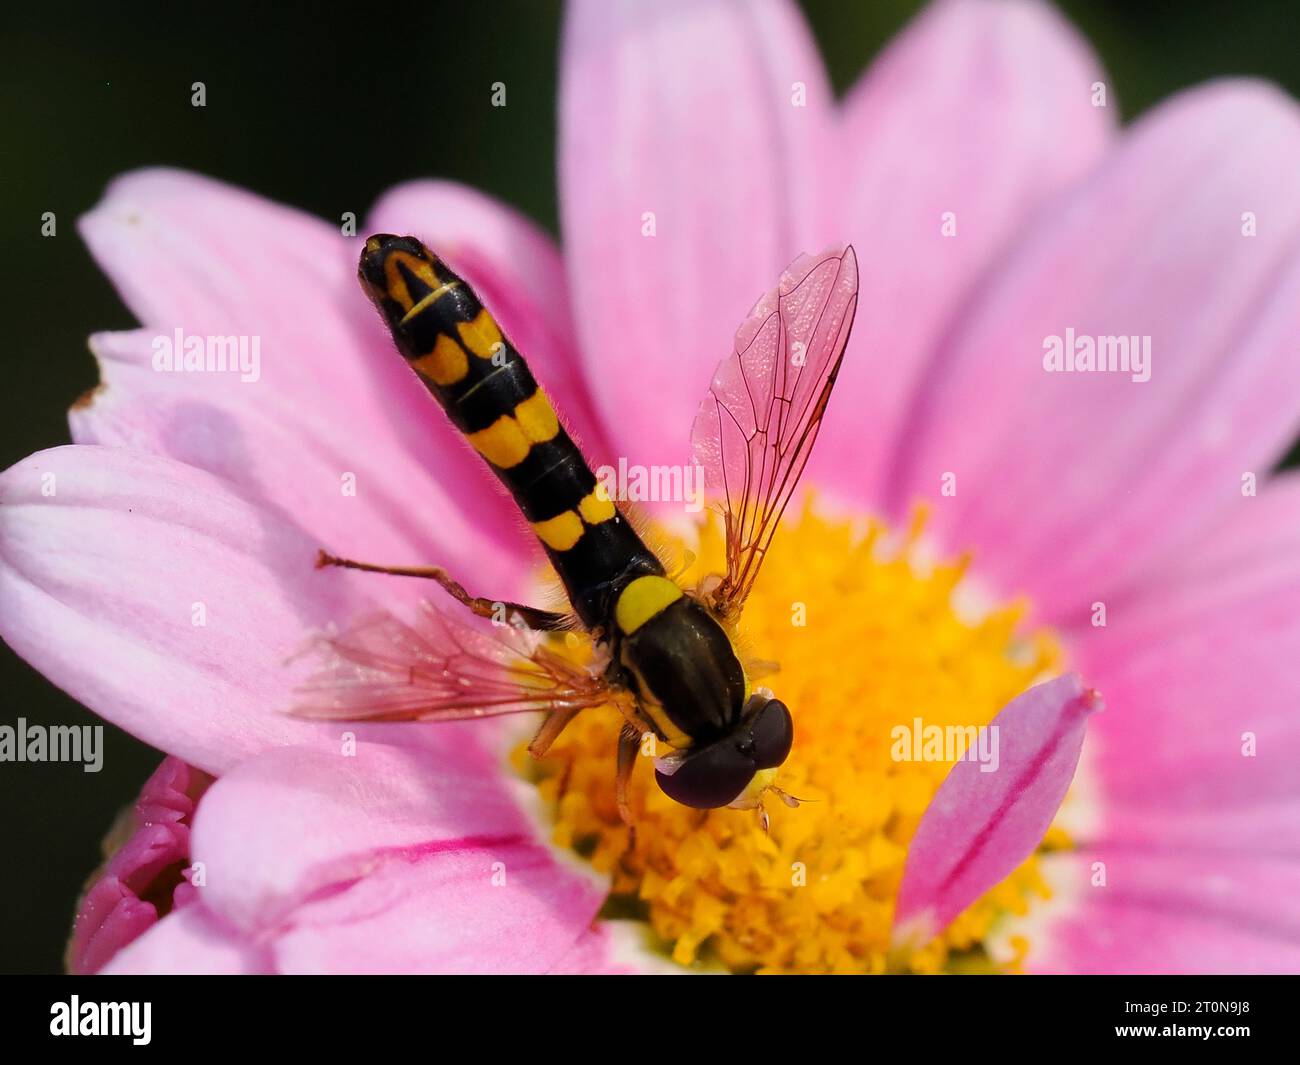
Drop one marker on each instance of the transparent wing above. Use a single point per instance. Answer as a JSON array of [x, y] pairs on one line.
[[756, 427], [442, 668]]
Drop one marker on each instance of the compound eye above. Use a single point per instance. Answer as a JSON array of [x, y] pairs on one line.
[[773, 732], [708, 778]]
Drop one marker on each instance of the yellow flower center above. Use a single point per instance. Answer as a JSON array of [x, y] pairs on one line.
[[869, 638]]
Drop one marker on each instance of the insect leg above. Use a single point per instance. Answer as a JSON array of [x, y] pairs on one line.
[[529, 616], [552, 726], [629, 744]]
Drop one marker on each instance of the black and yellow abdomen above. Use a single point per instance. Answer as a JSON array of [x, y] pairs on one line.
[[487, 390]]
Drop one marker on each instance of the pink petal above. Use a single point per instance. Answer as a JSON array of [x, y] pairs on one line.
[[330, 396], [191, 941], [1170, 913], [1252, 545], [619, 948], [384, 862], [1188, 707], [110, 917], [1201, 664], [517, 270], [1264, 827], [382, 801], [1198, 838], [683, 110], [446, 915], [980, 826], [982, 109], [595, 954], [143, 873], [100, 582], [1115, 471]]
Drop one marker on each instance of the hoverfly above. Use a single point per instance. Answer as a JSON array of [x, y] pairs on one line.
[[663, 654]]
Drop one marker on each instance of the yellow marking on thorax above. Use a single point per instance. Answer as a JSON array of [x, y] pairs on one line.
[[672, 734], [561, 532], [653, 709], [481, 336], [432, 297], [446, 364], [643, 599]]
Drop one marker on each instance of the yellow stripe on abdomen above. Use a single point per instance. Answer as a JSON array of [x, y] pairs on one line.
[[536, 417], [596, 507], [482, 336], [447, 364], [507, 441], [561, 532]]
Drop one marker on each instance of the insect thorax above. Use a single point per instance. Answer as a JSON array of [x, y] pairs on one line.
[[680, 661]]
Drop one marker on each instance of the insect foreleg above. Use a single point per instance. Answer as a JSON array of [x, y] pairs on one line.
[[498, 610]]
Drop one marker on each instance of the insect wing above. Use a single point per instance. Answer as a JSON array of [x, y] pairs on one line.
[[756, 427], [440, 669]]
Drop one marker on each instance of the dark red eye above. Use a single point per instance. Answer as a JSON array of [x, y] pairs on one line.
[[708, 778], [773, 732]]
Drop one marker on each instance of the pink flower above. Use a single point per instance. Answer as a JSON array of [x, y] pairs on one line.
[[144, 878], [159, 569]]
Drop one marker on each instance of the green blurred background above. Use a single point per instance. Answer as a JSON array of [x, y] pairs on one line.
[[325, 113]]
